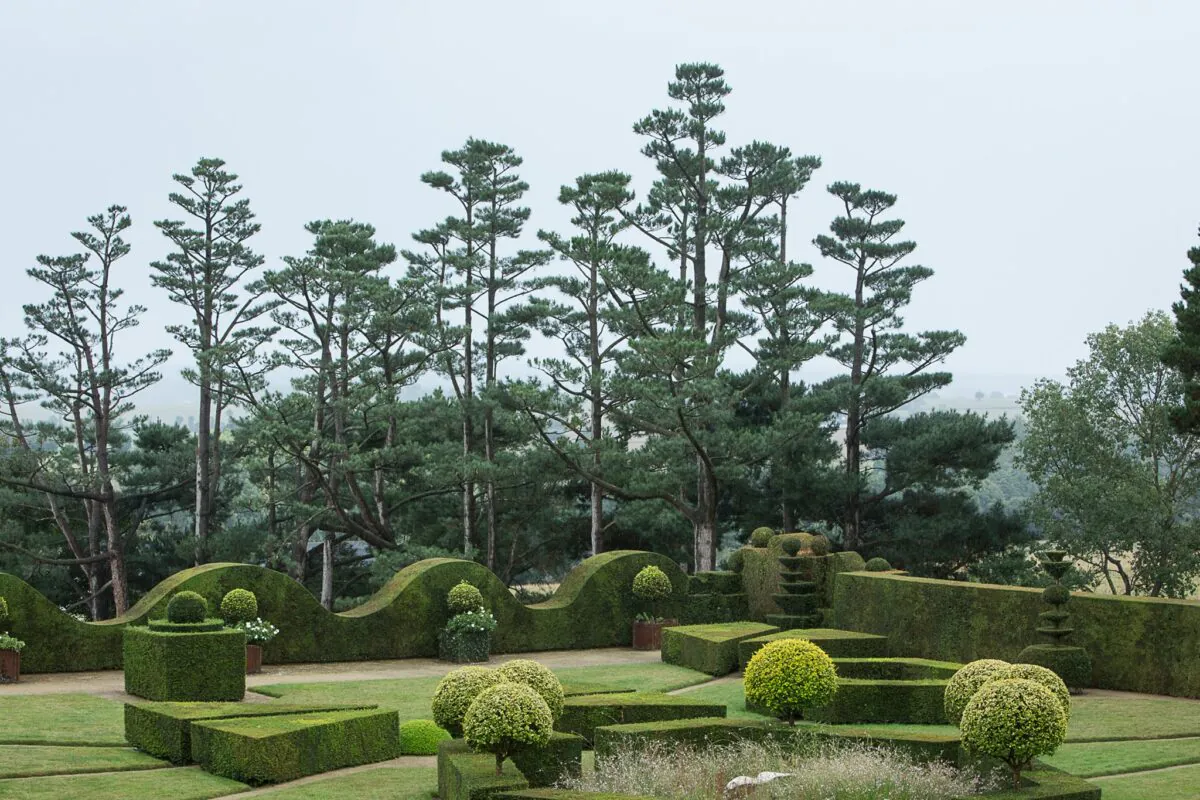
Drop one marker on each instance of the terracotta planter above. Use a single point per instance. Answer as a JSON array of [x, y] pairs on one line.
[[648, 635], [10, 666], [253, 659]]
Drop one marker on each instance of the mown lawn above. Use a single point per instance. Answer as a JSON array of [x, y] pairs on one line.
[[24, 760], [383, 783], [1171, 784], [63, 719], [1089, 760], [179, 783], [1105, 718]]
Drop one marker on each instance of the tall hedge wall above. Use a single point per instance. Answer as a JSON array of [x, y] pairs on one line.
[[1137, 644], [592, 608]]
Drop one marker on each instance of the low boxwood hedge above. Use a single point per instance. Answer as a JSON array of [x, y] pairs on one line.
[[274, 749], [1048, 783], [164, 729], [895, 669], [583, 714], [185, 666], [464, 775], [561, 757], [712, 649], [909, 702], [837, 643]]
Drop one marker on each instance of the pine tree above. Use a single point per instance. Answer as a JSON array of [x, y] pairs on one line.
[[205, 274], [1183, 353]]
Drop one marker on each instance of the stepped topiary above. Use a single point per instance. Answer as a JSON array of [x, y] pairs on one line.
[[787, 676], [1014, 720], [1037, 674], [463, 598], [820, 545], [761, 537], [185, 607], [798, 595], [421, 737], [456, 691], [537, 677], [507, 718], [791, 546], [239, 605], [963, 685], [1071, 663], [877, 564]]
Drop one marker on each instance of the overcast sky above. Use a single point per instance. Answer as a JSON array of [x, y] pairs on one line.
[[1045, 153]]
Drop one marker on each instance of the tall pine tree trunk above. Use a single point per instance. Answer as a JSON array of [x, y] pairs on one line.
[[489, 448], [203, 465], [327, 547]]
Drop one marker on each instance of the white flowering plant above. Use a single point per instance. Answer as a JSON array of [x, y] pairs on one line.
[[258, 631], [478, 620]]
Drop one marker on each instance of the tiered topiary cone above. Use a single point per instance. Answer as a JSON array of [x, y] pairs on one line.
[[797, 595], [1072, 664]]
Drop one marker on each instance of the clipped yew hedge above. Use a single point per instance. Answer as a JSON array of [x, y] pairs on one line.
[[585, 713], [1138, 644], [207, 665], [593, 607], [760, 574], [466, 775], [713, 648]]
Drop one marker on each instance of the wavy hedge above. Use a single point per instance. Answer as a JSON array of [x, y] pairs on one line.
[[593, 607], [1138, 644]]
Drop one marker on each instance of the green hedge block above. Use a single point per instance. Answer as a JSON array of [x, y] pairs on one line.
[[719, 731], [715, 582], [895, 669], [465, 775], [1047, 783], [274, 749], [712, 608], [789, 622], [204, 626], [761, 572], [164, 729], [1072, 664], [1148, 644], [561, 757], [712, 649], [582, 715], [593, 607], [464, 647], [909, 702], [185, 666], [836, 643]]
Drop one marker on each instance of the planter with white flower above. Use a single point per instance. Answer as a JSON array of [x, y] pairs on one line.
[[258, 633], [467, 637], [10, 649], [650, 586], [239, 607]]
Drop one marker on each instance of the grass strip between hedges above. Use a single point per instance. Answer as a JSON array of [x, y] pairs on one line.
[[1098, 759], [176, 783], [28, 761], [75, 720], [1169, 784]]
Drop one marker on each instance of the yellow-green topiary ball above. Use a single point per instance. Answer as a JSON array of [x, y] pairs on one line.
[[239, 605], [463, 598], [761, 537], [420, 737], [537, 677], [187, 607], [651, 584], [789, 675], [1037, 674], [1015, 720], [507, 718], [456, 691], [963, 685]]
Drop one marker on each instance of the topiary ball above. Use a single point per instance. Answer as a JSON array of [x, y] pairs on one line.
[[1056, 594], [537, 677], [651, 584], [456, 691], [507, 718], [820, 545], [791, 546], [463, 598], [761, 537], [877, 564], [420, 737], [1037, 674], [187, 607], [1015, 720], [963, 685], [789, 675], [239, 605], [736, 561], [1072, 664]]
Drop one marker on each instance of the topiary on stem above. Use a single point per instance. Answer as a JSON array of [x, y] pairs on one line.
[[761, 537], [239, 605], [789, 675], [455, 693], [963, 685], [187, 606], [507, 718], [652, 586], [1015, 720], [537, 677], [463, 598], [1037, 674]]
